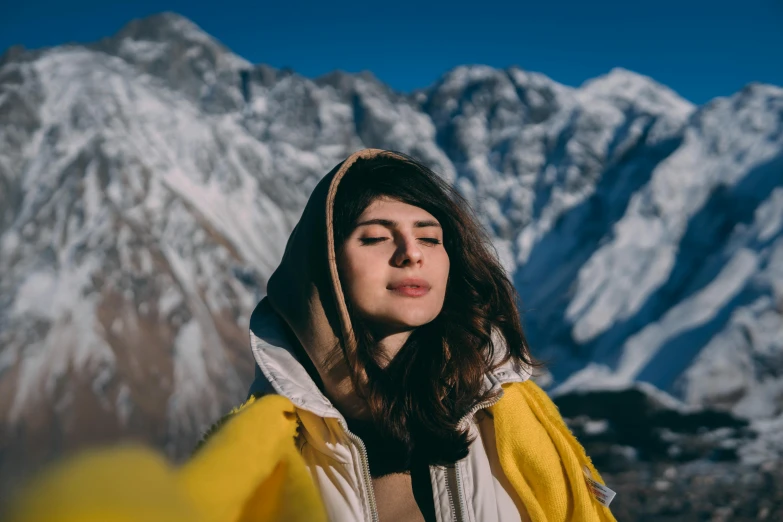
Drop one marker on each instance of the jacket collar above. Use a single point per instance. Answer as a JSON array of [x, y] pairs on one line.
[[278, 370]]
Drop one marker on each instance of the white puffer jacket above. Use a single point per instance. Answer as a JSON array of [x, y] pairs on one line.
[[473, 490]]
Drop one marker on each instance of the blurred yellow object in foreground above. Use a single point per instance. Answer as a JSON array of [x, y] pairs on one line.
[[248, 470]]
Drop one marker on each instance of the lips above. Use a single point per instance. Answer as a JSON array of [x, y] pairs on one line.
[[410, 287]]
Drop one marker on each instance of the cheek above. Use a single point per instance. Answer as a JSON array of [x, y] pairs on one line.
[[444, 266], [443, 276], [360, 273]]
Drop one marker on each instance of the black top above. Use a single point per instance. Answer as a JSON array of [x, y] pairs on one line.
[[385, 457]]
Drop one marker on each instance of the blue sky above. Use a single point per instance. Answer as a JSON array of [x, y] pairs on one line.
[[700, 49]]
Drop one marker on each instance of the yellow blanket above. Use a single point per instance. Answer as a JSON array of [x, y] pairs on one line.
[[250, 470]]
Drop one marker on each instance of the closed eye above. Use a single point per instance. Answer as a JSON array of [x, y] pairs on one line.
[[371, 240]]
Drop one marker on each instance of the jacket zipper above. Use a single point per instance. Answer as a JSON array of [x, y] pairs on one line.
[[454, 514], [366, 478], [457, 476]]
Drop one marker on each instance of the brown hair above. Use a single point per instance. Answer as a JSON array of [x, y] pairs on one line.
[[418, 399]]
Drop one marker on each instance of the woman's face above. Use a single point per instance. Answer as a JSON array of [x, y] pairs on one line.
[[394, 266]]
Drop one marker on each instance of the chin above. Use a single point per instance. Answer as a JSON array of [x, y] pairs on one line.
[[413, 319]]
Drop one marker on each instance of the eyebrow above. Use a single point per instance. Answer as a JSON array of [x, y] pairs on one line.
[[390, 224]]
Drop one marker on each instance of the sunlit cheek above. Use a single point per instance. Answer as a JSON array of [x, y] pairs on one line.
[[367, 282], [372, 265]]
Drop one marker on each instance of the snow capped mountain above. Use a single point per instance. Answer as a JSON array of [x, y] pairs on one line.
[[149, 181], [189, 61], [695, 246]]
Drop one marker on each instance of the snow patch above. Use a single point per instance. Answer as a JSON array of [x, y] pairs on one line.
[[688, 314], [143, 50]]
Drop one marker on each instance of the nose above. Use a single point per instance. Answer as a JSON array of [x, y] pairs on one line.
[[408, 252]]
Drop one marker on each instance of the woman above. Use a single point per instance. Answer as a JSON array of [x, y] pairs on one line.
[[392, 327], [389, 348]]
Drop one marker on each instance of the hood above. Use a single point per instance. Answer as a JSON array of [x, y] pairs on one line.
[[305, 289], [306, 293]]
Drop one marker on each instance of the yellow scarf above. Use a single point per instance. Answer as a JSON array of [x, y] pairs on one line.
[[542, 460], [240, 476]]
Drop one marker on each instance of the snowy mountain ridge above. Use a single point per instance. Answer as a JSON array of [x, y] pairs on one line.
[[149, 181]]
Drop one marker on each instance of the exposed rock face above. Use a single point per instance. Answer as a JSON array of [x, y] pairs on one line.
[[670, 462]]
